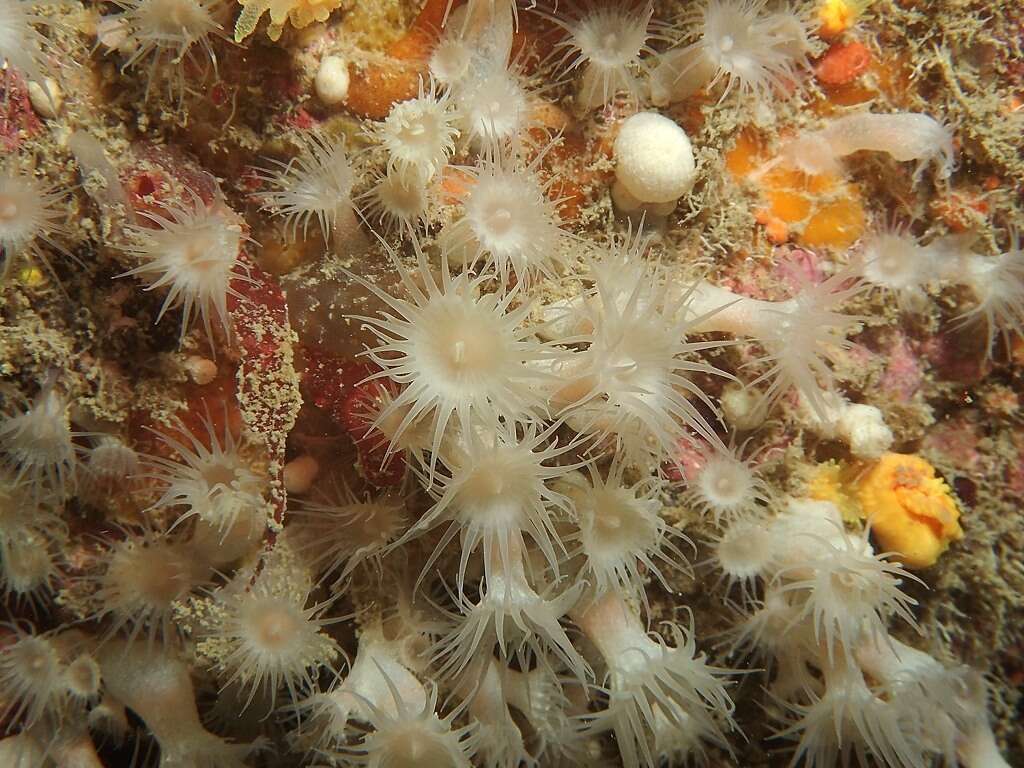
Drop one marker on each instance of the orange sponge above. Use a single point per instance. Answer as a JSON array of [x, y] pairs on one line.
[[911, 511]]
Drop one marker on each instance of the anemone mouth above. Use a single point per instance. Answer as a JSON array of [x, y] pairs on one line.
[[463, 344], [743, 553], [220, 474], [276, 629], [9, 209], [162, 579]]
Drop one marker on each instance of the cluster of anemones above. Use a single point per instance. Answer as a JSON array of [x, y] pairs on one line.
[[541, 449]]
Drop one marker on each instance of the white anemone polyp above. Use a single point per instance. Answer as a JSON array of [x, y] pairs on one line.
[[313, 188], [145, 575], [455, 351], [621, 531], [271, 638], [419, 134], [509, 220], [194, 251], [31, 677], [37, 443], [31, 213], [493, 491], [211, 480], [166, 33], [726, 485], [607, 42], [744, 552]]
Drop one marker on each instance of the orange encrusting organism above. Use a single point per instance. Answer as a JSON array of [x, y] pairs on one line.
[[910, 510], [816, 211], [375, 87]]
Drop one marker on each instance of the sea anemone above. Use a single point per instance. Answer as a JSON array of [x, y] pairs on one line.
[[894, 260], [31, 675], [725, 485], [662, 699], [314, 187], [21, 43], [512, 618], [394, 202], [851, 719], [173, 35], [507, 218], [850, 592], [144, 575], [419, 134], [492, 491], [494, 105], [31, 214], [404, 737], [108, 463], [607, 43], [633, 380], [745, 552], [32, 537], [342, 532], [752, 50], [455, 351], [36, 441], [211, 480], [621, 535], [266, 636], [193, 250], [998, 284]]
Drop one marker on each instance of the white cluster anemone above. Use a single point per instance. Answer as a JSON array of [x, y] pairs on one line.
[[493, 491], [157, 686], [744, 552], [894, 260], [494, 105], [32, 536], [31, 675], [663, 700], [513, 619], [193, 250], [170, 37], [726, 485], [801, 335], [850, 593], [22, 45], [904, 136], [108, 463], [633, 380], [621, 535], [342, 532], [409, 738], [32, 215], [455, 351], [508, 220], [36, 440], [751, 49], [382, 692], [419, 134], [998, 284], [396, 202], [212, 482], [314, 188], [145, 574], [267, 635], [607, 44]]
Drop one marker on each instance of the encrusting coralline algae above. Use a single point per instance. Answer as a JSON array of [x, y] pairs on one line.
[[482, 382]]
